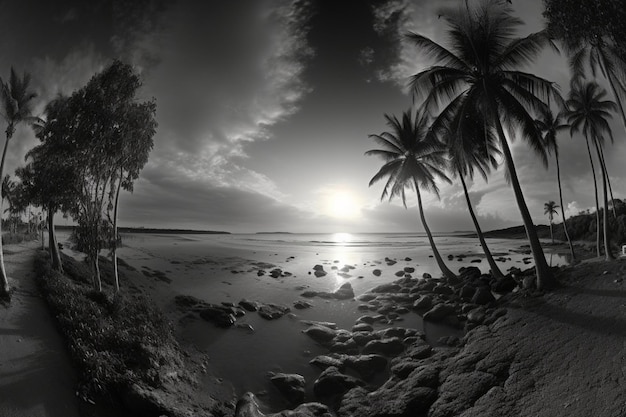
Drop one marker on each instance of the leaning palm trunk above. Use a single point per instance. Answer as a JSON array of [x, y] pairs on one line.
[[52, 242], [605, 213], [495, 271], [551, 234], [595, 187], [545, 279], [558, 179], [608, 180], [5, 290], [444, 269]]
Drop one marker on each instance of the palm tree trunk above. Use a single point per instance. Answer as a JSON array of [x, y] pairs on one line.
[[545, 279], [608, 180], [551, 234], [495, 271], [595, 187], [558, 179], [5, 290], [114, 252], [446, 272], [52, 242], [605, 213]]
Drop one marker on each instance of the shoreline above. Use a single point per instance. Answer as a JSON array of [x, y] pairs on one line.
[[204, 383]]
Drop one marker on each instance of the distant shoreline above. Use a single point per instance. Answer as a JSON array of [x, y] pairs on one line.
[[515, 232], [155, 230]]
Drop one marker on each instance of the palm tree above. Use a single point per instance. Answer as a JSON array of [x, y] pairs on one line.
[[479, 72], [589, 113], [470, 151], [549, 208], [550, 126], [414, 158], [16, 99]]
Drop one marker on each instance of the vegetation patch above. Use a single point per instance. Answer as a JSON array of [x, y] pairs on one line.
[[115, 341]]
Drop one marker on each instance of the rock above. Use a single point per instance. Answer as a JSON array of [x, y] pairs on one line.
[[476, 261], [301, 305], [318, 267], [469, 273], [328, 324], [145, 402], [366, 319], [425, 302], [409, 269], [483, 296], [362, 327], [467, 292], [345, 292], [528, 283], [426, 275], [291, 386], [320, 334], [324, 361], [443, 289], [476, 315], [411, 396], [187, 301], [439, 312], [247, 406], [459, 392], [221, 316], [320, 273], [332, 383], [366, 365], [249, 305], [504, 284], [273, 311], [390, 346], [386, 288], [377, 272]]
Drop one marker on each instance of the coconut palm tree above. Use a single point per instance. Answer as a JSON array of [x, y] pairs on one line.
[[549, 208], [473, 150], [16, 102], [480, 71], [414, 158], [550, 126], [589, 113]]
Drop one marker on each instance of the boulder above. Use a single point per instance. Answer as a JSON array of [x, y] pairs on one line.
[[247, 406], [483, 296], [249, 305], [390, 346], [425, 302], [325, 361], [459, 391], [366, 365], [221, 316], [301, 305], [345, 292], [320, 334], [332, 383], [439, 312], [386, 288], [291, 386], [476, 315], [362, 327], [273, 311], [504, 284]]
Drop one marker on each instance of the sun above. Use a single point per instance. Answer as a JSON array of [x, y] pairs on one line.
[[342, 204]]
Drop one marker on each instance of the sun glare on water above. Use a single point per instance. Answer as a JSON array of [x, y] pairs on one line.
[[342, 237]]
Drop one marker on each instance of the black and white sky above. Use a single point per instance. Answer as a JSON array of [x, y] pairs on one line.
[[265, 107]]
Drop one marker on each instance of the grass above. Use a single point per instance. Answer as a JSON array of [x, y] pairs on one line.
[[115, 341]]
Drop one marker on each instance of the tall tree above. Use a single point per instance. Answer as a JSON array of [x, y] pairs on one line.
[[549, 208], [16, 99], [593, 34], [550, 126], [589, 113], [480, 71], [112, 158], [414, 158], [50, 176]]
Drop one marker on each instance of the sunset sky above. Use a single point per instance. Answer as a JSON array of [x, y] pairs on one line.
[[265, 107]]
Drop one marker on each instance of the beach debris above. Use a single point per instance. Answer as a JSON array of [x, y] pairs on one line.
[[291, 386], [332, 382], [272, 311]]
